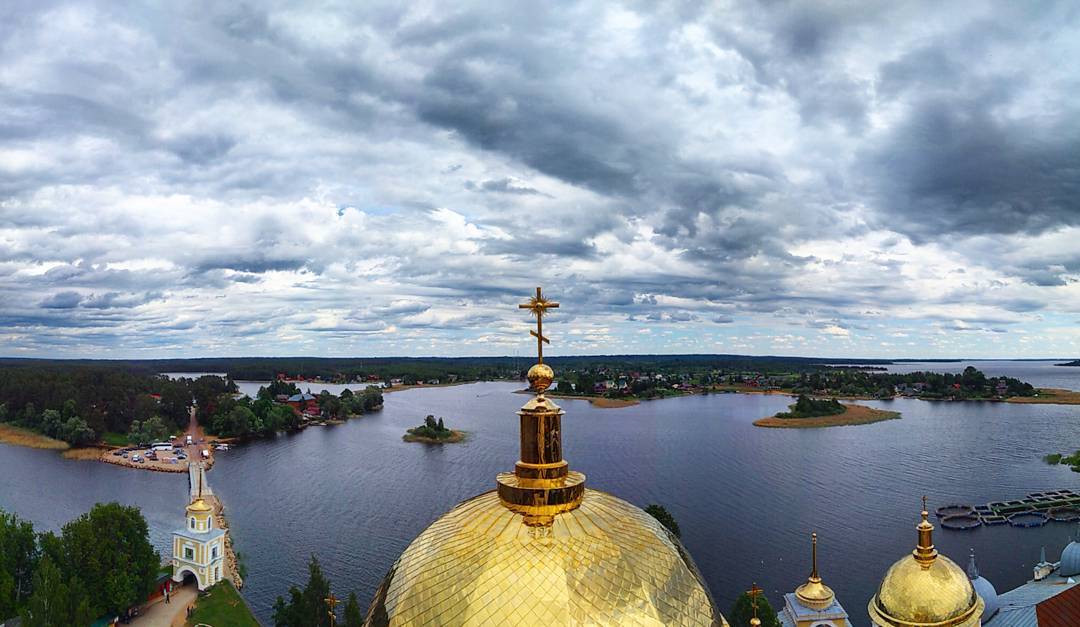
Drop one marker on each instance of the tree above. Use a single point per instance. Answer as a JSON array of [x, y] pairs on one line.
[[18, 558], [153, 429], [56, 601], [372, 398], [353, 616], [109, 550], [76, 432], [307, 607], [743, 610], [50, 423], [665, 518], [175, 401]]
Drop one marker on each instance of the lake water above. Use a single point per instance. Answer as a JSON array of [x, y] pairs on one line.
[[746, 498]]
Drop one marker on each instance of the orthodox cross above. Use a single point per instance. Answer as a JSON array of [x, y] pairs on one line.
[[539, 305], [754, 592], [332, 602], [924, 503]]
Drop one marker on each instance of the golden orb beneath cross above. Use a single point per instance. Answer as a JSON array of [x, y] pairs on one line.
[[540, 377]]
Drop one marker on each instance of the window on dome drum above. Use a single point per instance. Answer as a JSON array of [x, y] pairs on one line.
[[192, 522], [189, 553]]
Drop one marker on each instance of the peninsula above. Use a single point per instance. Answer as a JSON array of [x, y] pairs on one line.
[[807, 413]]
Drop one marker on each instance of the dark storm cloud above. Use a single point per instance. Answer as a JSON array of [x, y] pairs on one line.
[[253, 263], [954, 167], [505, 185], [62, 300], [345, 170]]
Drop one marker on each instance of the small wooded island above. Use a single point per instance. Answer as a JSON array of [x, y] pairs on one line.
[[807, 413], [433, 432]]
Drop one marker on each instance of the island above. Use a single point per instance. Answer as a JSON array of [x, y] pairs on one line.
[[808, 413], [433, 432], [1075, 362]]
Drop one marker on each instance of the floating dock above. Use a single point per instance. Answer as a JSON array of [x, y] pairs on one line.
[[1034, 510]]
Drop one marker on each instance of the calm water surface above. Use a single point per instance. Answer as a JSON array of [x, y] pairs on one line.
[[746, 498]]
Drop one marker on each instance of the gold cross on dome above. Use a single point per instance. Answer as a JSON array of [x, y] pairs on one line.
[[924, 503], [332, 601], [754, 592], [539, 305]]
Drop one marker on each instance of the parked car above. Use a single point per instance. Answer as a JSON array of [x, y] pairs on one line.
[[135, 457]]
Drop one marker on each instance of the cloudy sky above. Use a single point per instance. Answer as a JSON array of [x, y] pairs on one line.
[[842, 179]]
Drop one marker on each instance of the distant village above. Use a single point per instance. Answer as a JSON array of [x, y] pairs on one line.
[[615, 382]]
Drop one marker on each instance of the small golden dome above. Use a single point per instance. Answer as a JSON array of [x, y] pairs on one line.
[[814, 594], [606, 562], [199, 505], [924, 589]]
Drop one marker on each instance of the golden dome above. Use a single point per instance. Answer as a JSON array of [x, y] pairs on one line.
[[540, 377], [925, 589], [605, 562], [541, 549], [814, 594], [199, 505]]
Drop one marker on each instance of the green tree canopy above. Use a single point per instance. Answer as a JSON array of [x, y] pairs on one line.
[[56, 601], [107, 549], [743, 610], [18, 558], [353, 616], [666, 519], [306, 607]]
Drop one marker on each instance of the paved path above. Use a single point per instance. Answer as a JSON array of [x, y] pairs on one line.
[[162, 614]]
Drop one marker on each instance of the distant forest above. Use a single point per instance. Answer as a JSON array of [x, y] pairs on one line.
[[424, 368]]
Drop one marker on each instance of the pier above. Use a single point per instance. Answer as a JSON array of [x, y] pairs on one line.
[[1034, 510], [197, 477]]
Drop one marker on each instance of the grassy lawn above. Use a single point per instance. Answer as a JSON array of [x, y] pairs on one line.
[[113, 438], [220, 607]]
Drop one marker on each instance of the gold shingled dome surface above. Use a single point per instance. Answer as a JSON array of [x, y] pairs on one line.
[[912, 595], [925, 588], [604, 563]]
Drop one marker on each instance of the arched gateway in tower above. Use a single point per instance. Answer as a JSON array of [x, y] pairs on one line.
[[542, 549]]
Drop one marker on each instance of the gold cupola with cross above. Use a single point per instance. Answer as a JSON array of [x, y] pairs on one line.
[[541, 548], [813, 604], [925, 589]]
